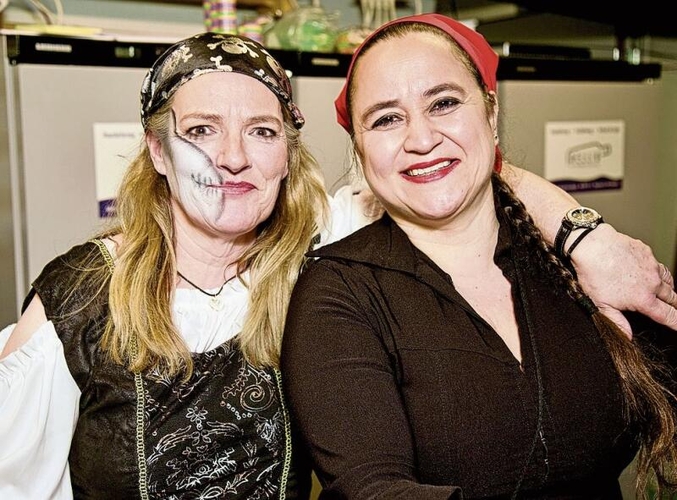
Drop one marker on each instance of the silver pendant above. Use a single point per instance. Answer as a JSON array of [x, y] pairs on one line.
[[216, 303]]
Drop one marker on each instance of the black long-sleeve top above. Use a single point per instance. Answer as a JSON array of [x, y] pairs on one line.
[[402, 391]]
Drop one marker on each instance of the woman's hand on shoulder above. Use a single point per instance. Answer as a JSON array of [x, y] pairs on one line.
[[621, 273], [33, 317]]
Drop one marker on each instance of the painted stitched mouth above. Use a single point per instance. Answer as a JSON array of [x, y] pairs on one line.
[[206, 184]]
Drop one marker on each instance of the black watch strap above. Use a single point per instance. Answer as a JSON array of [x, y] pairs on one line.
[[563, 233], [579, 238]]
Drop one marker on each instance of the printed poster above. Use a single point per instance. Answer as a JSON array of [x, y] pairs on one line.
[[115, 145], [585, 155]]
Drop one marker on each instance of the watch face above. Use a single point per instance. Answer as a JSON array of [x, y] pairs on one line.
[[584, 217]]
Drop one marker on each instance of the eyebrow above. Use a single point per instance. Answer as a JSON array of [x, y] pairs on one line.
[[264, 119], [443, 87], [203, 116]]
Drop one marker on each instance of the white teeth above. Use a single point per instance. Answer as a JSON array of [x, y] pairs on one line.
[[427, 170]]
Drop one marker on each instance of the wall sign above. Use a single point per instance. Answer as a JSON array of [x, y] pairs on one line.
[[585, 155], [115, 145]]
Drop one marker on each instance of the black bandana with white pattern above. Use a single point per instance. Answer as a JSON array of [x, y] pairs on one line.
[[210, 52]]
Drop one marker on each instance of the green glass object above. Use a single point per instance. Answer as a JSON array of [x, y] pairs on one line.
[[309, 29]]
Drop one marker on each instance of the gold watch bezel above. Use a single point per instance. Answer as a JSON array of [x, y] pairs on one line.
[[583, 217]]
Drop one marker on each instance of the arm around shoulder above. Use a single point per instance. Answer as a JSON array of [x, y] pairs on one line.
[[618, 272], [545, 202]]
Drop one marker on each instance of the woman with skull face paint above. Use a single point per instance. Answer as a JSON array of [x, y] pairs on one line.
[[145, 362], [155, 344]]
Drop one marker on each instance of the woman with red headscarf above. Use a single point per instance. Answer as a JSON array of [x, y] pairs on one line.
[[446, 351]]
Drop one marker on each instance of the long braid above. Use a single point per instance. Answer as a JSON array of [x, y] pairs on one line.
[[647, 403]]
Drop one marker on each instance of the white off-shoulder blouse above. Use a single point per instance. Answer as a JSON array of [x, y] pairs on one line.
[[39, 399]]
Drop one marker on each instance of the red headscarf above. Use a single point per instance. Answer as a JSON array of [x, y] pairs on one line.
[[479, 50]]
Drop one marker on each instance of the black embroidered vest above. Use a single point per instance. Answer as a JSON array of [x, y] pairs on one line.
[[223, 434]]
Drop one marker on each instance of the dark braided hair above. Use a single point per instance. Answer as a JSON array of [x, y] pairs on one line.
[[647, 403]]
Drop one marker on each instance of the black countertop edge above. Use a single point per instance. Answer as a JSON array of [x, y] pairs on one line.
[[23, 49]]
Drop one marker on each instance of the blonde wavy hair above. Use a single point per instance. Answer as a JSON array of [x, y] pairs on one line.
[[139, 332]]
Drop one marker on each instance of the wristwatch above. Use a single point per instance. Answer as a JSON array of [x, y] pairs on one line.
[[576, 218]]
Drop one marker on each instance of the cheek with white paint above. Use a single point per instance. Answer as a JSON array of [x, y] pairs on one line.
[[196, 178]]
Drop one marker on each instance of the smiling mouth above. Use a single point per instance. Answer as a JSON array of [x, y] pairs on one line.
[[416, 172]]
